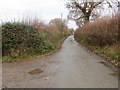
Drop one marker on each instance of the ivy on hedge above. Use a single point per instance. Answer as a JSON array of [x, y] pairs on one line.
[[22, 37]]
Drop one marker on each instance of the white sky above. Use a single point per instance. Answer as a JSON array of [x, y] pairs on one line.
[[45, 9]]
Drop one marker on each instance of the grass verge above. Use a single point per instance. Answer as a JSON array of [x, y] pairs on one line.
[[109, 53]]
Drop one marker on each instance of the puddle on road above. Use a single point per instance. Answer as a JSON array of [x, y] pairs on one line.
[[35, 71]]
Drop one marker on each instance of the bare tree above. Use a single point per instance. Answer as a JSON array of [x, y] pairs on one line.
[[82, 11]]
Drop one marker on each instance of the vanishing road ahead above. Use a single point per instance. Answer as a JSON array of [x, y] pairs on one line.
[[72, 66]]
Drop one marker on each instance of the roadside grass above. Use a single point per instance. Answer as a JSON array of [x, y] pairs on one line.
[[109, 53]]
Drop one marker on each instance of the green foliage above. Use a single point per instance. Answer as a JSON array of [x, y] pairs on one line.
[[22, 41], [19, 38], [48, 47]]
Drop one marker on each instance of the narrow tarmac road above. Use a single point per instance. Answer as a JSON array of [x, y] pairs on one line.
[[72, 66]]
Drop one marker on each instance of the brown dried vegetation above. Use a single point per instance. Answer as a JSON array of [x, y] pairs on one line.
[[102, 36]]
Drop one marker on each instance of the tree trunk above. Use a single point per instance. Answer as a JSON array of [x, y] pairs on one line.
[[86, 17]]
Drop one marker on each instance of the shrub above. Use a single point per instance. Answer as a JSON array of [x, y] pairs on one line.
[[29, 37], [19, 38], [102, 37], [100, 32]]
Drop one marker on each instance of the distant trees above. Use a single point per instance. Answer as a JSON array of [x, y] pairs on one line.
[[82, 11], [59, 23]]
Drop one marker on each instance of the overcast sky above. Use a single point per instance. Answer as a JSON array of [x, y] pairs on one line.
[[45, 9]]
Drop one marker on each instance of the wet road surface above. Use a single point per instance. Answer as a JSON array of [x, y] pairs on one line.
[[72, 66]]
